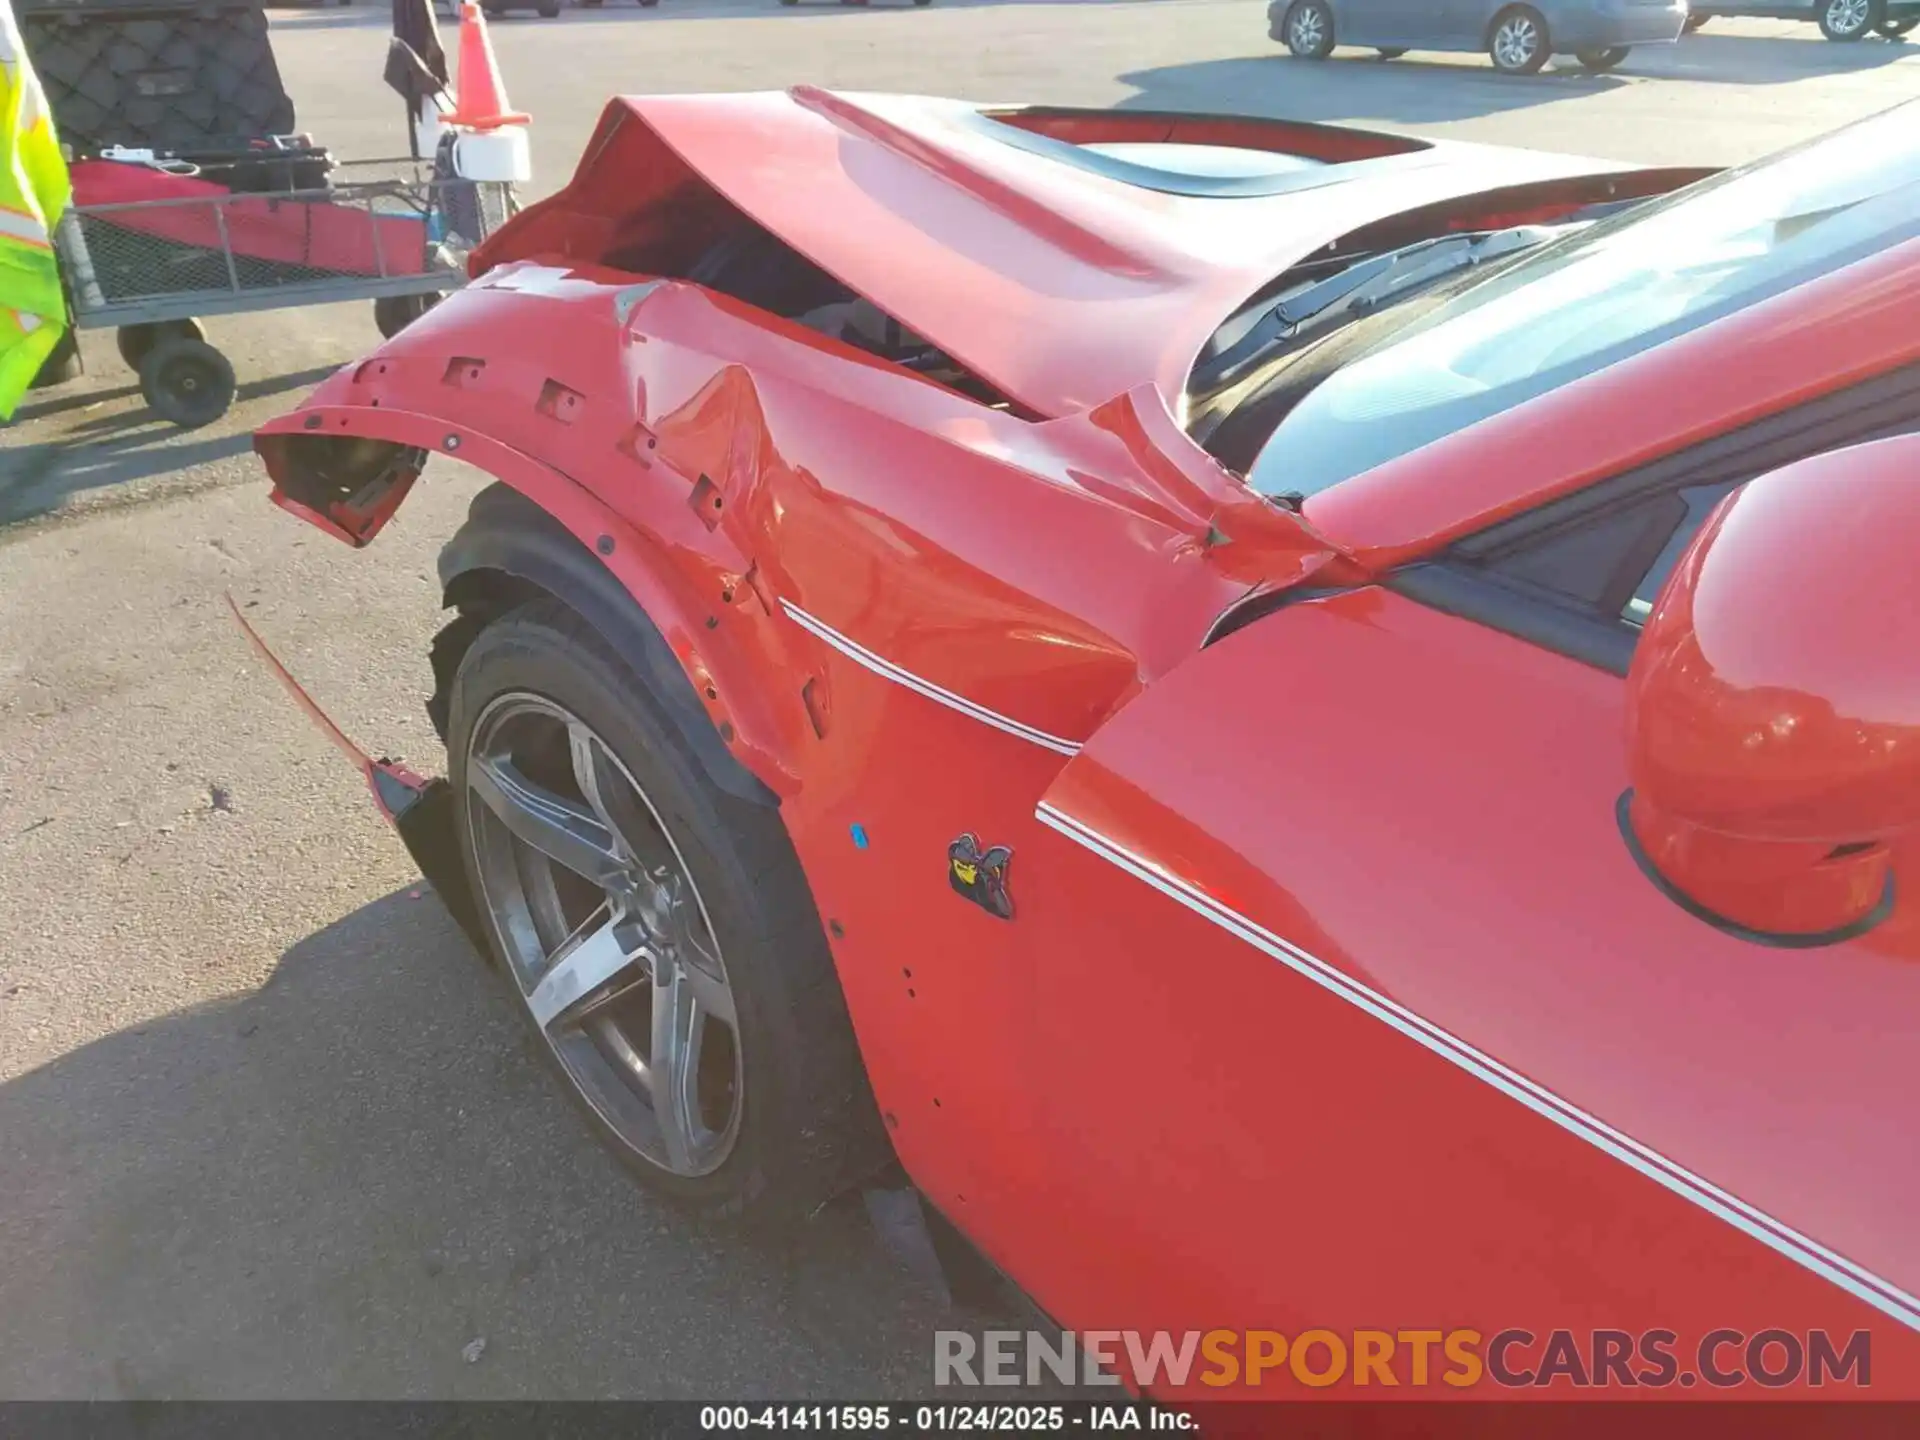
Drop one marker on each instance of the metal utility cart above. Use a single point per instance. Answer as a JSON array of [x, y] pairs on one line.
[[394, 233], [195, 197]]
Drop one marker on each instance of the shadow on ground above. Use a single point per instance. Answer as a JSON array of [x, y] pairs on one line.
[[117, 447], [331, 1186]]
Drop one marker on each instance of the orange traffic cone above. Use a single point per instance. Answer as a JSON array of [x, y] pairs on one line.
[[481, 99]]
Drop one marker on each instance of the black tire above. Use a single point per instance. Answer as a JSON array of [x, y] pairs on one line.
[[1845, 21], [393, 313], [548, 9], [1392, 53], [1694, 22], [135, 341], [789, 2], [1307, 30], [1503, 37], [808, 1124], [187, 381], [62, 365], [1897, 29], [1601, 60]]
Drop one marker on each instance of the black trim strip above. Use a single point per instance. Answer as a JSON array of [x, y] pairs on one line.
[[1528, 615], [1779, 940]]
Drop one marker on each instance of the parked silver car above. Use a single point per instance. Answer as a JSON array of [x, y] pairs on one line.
[[1520, 37], [1837, 19]]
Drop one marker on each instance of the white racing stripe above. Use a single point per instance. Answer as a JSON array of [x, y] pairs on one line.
[[890, 671], [1882, 1294]]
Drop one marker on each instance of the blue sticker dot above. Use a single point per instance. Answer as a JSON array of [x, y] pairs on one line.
[[859, 837]]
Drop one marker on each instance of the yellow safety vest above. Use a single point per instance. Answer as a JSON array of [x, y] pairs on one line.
[[34, 194]]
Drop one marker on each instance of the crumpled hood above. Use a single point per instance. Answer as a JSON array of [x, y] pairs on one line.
[[999, 234]]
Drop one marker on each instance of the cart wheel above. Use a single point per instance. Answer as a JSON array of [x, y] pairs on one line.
[[393, 313], [136, 340], [187, 381], [62, 365]]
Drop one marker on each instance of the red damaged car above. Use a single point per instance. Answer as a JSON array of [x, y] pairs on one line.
[[1313, 729]]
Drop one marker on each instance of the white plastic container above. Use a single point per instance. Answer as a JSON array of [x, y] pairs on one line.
[[501, 155]]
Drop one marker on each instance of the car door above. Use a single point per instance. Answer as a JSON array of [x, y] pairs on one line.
[[1390, 23], [1354, 1011]]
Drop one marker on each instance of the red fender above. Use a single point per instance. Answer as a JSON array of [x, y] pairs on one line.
[[728, 674]]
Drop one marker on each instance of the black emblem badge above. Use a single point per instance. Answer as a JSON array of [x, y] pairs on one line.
[[981, 875]]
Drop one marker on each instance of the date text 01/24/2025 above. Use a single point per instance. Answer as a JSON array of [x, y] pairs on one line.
[[912, 1418]]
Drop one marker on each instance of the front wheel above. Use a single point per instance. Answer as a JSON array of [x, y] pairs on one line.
[[656, 934], [1850, 20], [1599, 60], [1308, 30], [1518, 43]]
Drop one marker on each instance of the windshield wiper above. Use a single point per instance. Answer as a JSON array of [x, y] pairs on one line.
[[1361, 288]]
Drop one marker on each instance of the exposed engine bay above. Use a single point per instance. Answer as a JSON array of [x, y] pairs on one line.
[[751, 264]]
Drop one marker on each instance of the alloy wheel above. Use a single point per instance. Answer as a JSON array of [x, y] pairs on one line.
[[604, 933], [1305, 32], [1848, 17], [1516, 41]]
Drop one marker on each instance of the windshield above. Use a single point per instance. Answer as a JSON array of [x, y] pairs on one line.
[[1604, 293]]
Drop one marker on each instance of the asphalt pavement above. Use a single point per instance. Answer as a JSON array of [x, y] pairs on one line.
[[266, 1129]]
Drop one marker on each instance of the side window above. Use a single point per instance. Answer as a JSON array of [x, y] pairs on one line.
[[1579, 575]]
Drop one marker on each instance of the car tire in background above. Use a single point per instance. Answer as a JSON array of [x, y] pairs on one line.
[[1897, 29], [548, 9], [1600, 60], [1850, 20], [1693, 23], [1392, 52], [770, 1110], [1308, 30], [1517, 41]]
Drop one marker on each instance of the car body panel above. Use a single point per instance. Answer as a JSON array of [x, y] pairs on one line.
[[1466, 24], [1299, 1004], [741, 485]]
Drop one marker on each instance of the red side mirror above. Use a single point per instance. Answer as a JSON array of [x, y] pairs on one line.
[[1773, 704]]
